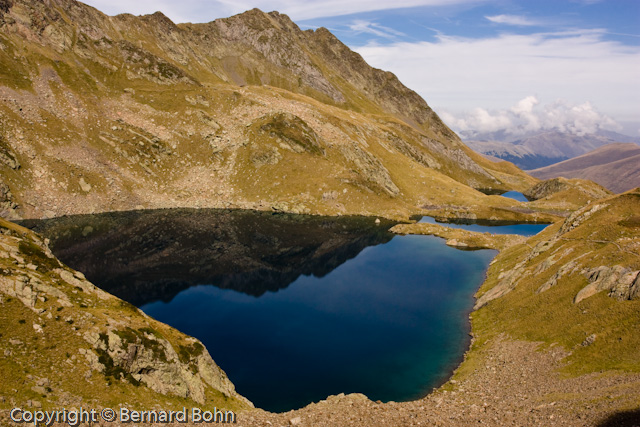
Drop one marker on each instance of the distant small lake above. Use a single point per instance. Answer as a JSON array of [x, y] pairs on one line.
[[515, 195], [293, 308], [494, 227]]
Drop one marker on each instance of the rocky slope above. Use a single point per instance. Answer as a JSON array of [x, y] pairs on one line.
[[614, 166], [104, 113], [67, 343], [604, 231]]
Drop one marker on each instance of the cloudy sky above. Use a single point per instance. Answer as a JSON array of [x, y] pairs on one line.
[[484, 65]]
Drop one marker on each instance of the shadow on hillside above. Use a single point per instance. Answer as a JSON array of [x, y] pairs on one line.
[[622, 419]]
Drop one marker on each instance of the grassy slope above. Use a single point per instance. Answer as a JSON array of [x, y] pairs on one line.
[[610, 236], [58, 353]]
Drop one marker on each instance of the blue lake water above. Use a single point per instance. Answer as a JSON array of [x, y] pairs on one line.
[[293, 308], [487, 226], [515, 195], [390, 323]]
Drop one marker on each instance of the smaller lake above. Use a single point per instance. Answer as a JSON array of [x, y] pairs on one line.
[[515, 195], [493, 227]]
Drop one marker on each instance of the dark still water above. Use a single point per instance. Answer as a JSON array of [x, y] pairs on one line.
[[293, 308], [494, 227]]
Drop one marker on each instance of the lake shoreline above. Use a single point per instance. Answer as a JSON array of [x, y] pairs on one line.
[[461, 239], [490, 392], [167, 254]]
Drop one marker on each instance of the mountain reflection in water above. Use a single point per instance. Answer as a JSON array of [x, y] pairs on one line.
[[338, 311], [147, 256]]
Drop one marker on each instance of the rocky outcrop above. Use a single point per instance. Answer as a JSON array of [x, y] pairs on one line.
[[8, 156], [142, 64], [144, 356], [8, 205], [579, 217], [553, 186], [456, 243], [621, 283], [508, 280], [634, 289], [288, 132], [370, 170], [122, 344], [553, 281]]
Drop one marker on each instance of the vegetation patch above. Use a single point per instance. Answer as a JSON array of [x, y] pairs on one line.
[[290, 130], [190, 352], [36, 253], [113, 371]]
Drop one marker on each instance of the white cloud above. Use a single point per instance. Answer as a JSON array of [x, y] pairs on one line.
[[512, 20], [208, 10], [479, 120], [360, 26], [526, 117], [457, 74]]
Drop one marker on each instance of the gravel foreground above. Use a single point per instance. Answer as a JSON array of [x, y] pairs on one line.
[[515, 384]]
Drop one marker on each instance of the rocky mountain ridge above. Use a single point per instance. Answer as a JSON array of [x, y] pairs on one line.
[[126, 112]]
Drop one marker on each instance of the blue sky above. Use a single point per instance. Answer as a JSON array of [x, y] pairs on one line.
[[486, 65]]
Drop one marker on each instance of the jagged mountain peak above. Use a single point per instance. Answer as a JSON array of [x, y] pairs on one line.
[[159, 18], [172, 115]]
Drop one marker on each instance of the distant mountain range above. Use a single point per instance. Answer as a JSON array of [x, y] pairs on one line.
[[540, 149], [615, 166]]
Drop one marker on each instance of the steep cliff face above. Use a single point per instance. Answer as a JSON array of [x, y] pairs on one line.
[[124, 112]]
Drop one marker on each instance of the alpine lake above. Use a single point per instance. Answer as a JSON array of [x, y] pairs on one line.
[[294, 308]]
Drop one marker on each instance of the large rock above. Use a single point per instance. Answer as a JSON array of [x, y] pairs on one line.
[[621, 283]]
